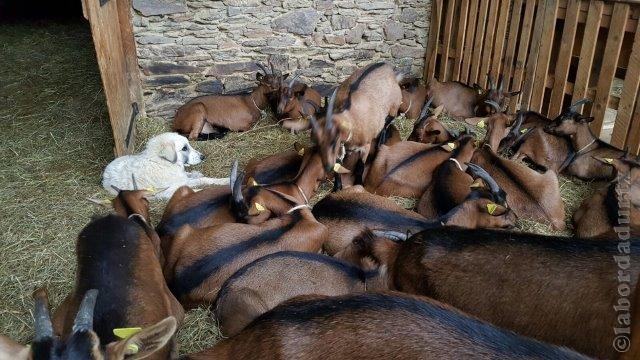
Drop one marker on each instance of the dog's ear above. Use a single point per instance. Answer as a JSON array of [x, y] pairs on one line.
[[168, 152]]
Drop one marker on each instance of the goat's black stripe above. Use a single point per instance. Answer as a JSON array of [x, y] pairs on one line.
[[348, 269], [270, 176], [317, 311], [611, 205], [362, 212], [499, 165], [192, 215], [408, 161], [195, 274], [356, 84]]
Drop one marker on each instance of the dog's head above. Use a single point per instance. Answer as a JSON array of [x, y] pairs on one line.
[[174, 148]]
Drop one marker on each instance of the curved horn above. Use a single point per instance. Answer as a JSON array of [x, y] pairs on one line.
[[263, 68], [329, 121], [233, 175], [273, 69], [490, 82], [515, 128], [425, 109], [494, 105], [133, 180], [478, 172], [293, 79], [43, 327], [84, 318], [501, 82], [236, 191], [579, 103]]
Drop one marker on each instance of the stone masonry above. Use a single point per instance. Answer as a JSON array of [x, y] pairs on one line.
[[188, 48]]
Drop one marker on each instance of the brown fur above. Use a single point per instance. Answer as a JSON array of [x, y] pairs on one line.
[[530, 194], [414, 96], [296, 104], [232, 112], [392, 173], [543, 282], [191, 245], [290, 159], [261, 285], [461, 100], [430, 131], [375, 326]]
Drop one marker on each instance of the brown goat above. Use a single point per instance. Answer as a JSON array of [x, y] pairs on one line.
[[212, 116], [349, 212], [599, 215], [373, 99], [464, 101], [130, 250], [375, 326], [261, 285], [85, 341], [586, 146], [276, 168], [296, 103], [428, 130], [527, 141], [543, 281], [406, 169], [414, 97], [199, 261], [530, 194], [497, 125]]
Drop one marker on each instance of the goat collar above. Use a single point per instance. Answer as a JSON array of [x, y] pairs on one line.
[[457, 163], [306, 201], [298, 207], [580, 152], [135, 215]]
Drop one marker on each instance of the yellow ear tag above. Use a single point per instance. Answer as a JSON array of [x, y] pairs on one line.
[[491, 208], [609, 161], [301, 152], [152, 189], [480, 124], [260, 208], [522, 131], [337, 167], [125, 333], [476, 184], [253, 182]]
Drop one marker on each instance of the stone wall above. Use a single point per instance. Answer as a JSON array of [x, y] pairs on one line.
[[188, 48]]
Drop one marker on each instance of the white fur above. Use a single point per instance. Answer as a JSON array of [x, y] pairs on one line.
[[160, 166]]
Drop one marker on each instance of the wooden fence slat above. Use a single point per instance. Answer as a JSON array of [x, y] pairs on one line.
[[589, 41], [476, 60], [525, 38], [446, 41], [544, 56], [629, 95], [469, 40], [501, 37], [492, 18], [534, 52], [633, 139], [460, 39], [434, 35], [609, 62], [510, 53], [564, 57]]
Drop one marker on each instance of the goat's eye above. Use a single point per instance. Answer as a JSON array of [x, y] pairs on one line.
[[185, 148]]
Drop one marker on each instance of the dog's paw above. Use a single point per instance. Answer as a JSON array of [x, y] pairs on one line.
[[216, 181]]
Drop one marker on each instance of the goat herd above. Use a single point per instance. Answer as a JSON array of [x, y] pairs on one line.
[[357, 276]]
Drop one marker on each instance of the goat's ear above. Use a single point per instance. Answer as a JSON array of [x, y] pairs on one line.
[[145, 342], [512, 93], [256, 208], [168, 152], [10, 349], [476, 120], [285, 76], [438, 111], [259, 76]]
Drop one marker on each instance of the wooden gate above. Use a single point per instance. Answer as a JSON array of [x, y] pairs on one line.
[[555, 51], [115, 49]]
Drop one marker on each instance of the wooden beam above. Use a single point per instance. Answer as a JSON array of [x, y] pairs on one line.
[[523, 51], [446, 41], [492, 19], [460, 39], [588, 50], [609, 61], [510, 53], [501, 39], [564, 57], [544, 55], [434, 35], [534, 52], [469, 41], [476, 61]]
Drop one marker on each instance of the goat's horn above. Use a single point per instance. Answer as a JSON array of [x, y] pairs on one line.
[[501, 82], [479, 172], [273, 69], [425, 109], [263, 68], [579, 103], [43, 326], [490, 82], [515, 128], [332, 101], [236, 190], [493, 104], [293, 79], [392, 235], [84, 318]]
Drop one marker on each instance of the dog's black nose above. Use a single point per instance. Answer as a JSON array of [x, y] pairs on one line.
[[202, 156]]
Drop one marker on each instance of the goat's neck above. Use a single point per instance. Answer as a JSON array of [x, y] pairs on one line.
[[583, 138], [259, 97], [308, 178]]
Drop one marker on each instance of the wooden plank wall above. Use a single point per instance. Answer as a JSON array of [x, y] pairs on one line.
[[555, 51]]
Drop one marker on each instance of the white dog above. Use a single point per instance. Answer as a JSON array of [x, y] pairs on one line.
[[159, 166]]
